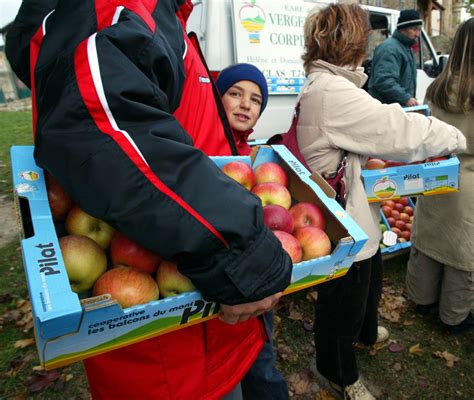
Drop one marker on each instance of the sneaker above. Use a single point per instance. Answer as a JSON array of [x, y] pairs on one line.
[[356, 391], [463, 327], [382, 334]]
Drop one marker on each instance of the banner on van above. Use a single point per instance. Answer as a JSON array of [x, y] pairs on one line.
[[269, 35]]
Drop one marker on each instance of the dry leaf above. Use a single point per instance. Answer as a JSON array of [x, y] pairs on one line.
[[294, 314], [42, 380], [312, 296], [68, 377], [20, 344], [301, 382], [450, 358], [397, 366], [416, 349], [323, 394], [38, 368]]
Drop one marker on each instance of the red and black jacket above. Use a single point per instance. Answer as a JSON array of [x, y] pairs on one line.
[[107, 82]]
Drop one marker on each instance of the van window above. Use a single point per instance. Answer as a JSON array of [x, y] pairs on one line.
[[380, 31]]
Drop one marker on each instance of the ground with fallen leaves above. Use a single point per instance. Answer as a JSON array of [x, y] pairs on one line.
[[420, 361]]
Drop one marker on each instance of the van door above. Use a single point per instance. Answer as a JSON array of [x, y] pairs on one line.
[[426, 64]]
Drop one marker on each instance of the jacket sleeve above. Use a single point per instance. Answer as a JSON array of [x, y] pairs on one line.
[[356, 122], [107, 133], [17, 45], [386, 77]]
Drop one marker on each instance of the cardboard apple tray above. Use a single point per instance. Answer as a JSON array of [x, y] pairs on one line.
[[69, 329]]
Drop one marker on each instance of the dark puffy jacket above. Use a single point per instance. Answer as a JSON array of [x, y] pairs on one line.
[[393, 74], [107, 79]]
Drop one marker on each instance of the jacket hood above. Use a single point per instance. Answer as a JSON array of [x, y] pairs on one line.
[[357, 77]]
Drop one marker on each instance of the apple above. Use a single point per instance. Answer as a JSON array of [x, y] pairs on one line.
[[408, 210], [387, 211], [391, 221], [277, 218], [128, 286], [398, 206], [127, 253], [403, 200], [393, 163], [78, 222], [388, 203], [59, 201], [400, 225], [271, 172], [406, 235], [375, 163], [402, 240], [409, 225], [397, 231], [307, 214], [395, 214], [314, 242], [170, 281], [436, 159], [383, 228], [273, 193], [404, 217], [84, 260], [291, 245], [240, 172]]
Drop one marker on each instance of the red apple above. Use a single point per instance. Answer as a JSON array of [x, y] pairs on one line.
[[59, 201], [273, 193], [277, 218], [375, 163], [170, 281], [411, 219], [84, 260], [408, 210], [388, 203], [403, 200], [271, 172], [395, 214], [128, 286], [404, 217], [393, 163], [409, 225], [291, 245], [397, 231], [127, 253], [307, 214], [240, 172], [402, 240], [391, 221], [387, 211], [399, 207], [406, 235], [314, 242], [78, 222], [400, 225]]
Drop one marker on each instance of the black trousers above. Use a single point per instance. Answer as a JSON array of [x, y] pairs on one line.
[[346, 312]]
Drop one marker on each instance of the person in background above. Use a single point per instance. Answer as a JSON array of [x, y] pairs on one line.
[[441, 265], [244, 93], [339, 118], [393, 73], [125, 117]]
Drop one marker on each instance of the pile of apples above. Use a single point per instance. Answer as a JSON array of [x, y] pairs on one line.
[[399, 216], [300, 227], [378, 163], [100, 260]]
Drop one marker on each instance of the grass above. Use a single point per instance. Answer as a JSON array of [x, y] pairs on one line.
[[15, 128]]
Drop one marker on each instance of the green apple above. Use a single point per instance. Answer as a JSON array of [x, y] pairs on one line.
[[78, 222], [383, 228], [84, 260], [170, 281]]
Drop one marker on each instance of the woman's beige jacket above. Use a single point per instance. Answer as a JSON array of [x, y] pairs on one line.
[[336, 115]]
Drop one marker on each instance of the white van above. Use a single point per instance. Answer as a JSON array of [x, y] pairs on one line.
[[269, 34]]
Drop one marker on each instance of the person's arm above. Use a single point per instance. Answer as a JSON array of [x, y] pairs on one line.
[[385, 77], [17, 45], [360, 124], [108, 135]]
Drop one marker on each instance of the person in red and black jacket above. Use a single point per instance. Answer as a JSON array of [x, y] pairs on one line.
[[124, 116]]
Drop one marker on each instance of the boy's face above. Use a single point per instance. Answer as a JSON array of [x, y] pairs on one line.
[[242, 103]]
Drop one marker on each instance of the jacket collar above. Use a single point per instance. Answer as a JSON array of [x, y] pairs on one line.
[[241, 141], [405, 40], [357, 77]]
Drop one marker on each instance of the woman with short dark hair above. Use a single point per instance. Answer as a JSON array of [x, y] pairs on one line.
[[337, 120]]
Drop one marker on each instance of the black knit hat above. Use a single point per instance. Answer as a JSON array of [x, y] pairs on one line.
[[409, 18]]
